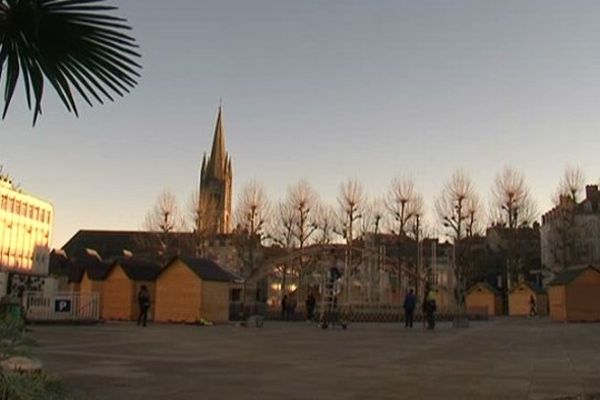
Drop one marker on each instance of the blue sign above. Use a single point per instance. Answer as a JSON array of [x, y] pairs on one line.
[[62, 305]]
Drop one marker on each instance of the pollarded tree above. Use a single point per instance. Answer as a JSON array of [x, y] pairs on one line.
[[164, 220], [73, 45], [374, 216], [400, 203], [513, 205], [456, 210], [564, 232], [281, 234], [514, 209], [327, 224], [572, 183], [352, 201], [250, 218], [405, 207], [304, 200], [200, 209]]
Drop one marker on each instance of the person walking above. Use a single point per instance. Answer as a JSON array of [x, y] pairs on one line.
[[284, 306], [410, 302], [430, 308], [143, 298], [532, 307]]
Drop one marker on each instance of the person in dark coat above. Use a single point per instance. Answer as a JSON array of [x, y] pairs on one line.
[[532, 308], [143, 298], [430, 308], [284, 307], [410, 302]]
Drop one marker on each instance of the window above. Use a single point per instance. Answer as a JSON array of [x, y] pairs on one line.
[[11, 202], [4, 203]]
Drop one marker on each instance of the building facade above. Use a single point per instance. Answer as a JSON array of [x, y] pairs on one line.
[[216, 179], [570, 233], [25, 231]]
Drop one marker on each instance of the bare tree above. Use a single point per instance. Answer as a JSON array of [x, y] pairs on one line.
[[514, 209], [374, 215], [282, 233], [418, 213], [455, 210], [351, 200], [327, 224], [400, 203], [164, 220], [199, 210], [303, 199], [564, 232], [513, 205], [475, 216], [571, 185], [406, 208], [251, 217]]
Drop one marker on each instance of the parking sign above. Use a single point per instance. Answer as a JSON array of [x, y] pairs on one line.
[[62, 305]]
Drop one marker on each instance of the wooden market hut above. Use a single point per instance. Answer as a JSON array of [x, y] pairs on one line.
[[77, 268], [574, 295], [520, 296], [122, 282], [191, 289], [92, 280], [482, 298]]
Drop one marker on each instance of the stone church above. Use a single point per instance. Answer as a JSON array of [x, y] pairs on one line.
[[216, 178]]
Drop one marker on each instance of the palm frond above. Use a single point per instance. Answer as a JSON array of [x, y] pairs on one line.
[[76, 46]]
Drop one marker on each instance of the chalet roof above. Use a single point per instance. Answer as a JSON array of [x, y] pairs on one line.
[[205, 269], [568, 276], [94, 267], [137, 269], [484, 285], [110, 244], [86, 262], [534, 288], [59, 264]]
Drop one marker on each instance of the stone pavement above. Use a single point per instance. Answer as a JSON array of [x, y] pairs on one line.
[[499, 359]]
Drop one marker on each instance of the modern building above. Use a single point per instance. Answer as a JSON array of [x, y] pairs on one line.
[[25, 231], [570, 233], [216, 179]]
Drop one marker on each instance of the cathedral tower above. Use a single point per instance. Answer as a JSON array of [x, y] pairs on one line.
[[216, 178]]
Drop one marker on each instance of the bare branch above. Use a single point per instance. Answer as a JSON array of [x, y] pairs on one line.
[[351, 200], [513, 205]]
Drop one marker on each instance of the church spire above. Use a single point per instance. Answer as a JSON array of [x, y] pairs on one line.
[[216, 164], [215, 185]]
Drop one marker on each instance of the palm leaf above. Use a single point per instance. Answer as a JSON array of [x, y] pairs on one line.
[[76, 46]]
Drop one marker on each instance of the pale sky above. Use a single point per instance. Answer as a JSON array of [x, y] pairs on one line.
[[323, 90]]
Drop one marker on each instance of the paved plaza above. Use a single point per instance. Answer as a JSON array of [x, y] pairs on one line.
[[499, 359]]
